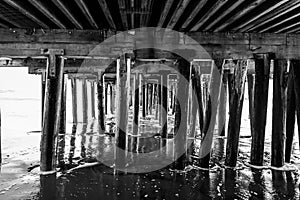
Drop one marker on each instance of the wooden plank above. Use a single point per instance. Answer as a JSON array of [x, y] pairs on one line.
[[279, 113], [181, 6], [262, 70], [288, 7], [10, 21], [195, 12], [255, 17], [181, 115], [40, 6], [242, 12], [107, 13], [123, 14], [224, 14], [86, 12], [290, 115], [68, 13], [165, 12], [26, 13], [235, 114], [209, 13]]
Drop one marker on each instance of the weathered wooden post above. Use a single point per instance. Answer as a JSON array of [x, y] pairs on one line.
[[164, 103], [210, 116], [84, 118], [222, 112], [51, 117], [75, 119], [279, 113], [290, 113], [251, 89], [296, 71], [262, 70], [101, 116], [93, 99], [235, 113], [144, 102], [43, 88], [62, 124], [123, 87], [136, 110], [181, 114]]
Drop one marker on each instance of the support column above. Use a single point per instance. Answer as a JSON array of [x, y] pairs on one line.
[[101, 116], [251, 89], [136, 110], [279, 113], [62, 124], [93, 99], [235, 114], [123, 87], [296, 70], [75, 119], [52, 109], [84, 118], [144, 103], [43, 88], [290, 114], [222, 112], [181, 114], [262, 70], [164, 107]]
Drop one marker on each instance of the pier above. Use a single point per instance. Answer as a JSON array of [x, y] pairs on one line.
[[151, 101]]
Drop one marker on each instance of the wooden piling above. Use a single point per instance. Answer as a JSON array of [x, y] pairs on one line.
[[222, 112], [262, 70], [164, 107], [279, 113], [136, 110], [84, 118], [235, 113], [52, 109], [62, 125], [101, 116], [43, 88], [210, 116], [93, 99], [181, 114], [296, 72], [75, 119], [123, 86], [251, 87], [144, 103], [290, 114]]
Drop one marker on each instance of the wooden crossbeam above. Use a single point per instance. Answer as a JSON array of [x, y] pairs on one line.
[[148, 5], [81, 43], [194, 13], [288, 7], [213, 9], [68, 13], [31, 16], [177, 13], [107, 13], [123, 14], [224, 14], [239, 14], [281, 22], [40, 6], [255, 17], [83, 7], [165, 13]]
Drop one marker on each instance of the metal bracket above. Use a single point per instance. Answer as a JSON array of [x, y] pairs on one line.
[[52, 53]]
